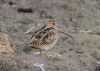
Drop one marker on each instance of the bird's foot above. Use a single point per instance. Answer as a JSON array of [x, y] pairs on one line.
[[53, 55], [44, 53], [50, 55]]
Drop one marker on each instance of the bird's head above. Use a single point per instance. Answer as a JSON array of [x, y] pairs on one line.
[[52, 24]]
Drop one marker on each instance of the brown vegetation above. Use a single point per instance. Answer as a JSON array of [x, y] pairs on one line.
[[5, 44]]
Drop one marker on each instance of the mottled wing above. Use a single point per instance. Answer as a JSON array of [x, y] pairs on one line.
[[36, 33], [49, 38], [44, 37]]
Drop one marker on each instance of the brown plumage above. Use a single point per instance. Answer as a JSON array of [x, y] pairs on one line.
[[46, 37]]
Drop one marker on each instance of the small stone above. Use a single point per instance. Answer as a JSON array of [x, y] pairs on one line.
[[79, 51]]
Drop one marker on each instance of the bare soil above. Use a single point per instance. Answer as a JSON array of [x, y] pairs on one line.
[[80, 18]]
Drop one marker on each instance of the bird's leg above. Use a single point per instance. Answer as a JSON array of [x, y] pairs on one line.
[[49, 55], [44, 53], [40, 51]]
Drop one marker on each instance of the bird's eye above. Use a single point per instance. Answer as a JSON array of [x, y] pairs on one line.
[[53, 23]]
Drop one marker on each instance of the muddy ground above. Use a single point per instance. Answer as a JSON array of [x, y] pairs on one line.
[[80, 18]]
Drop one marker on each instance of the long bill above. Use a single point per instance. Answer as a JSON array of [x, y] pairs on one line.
[[60, 31]]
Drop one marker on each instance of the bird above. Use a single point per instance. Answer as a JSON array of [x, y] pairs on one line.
[[46, 37]]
